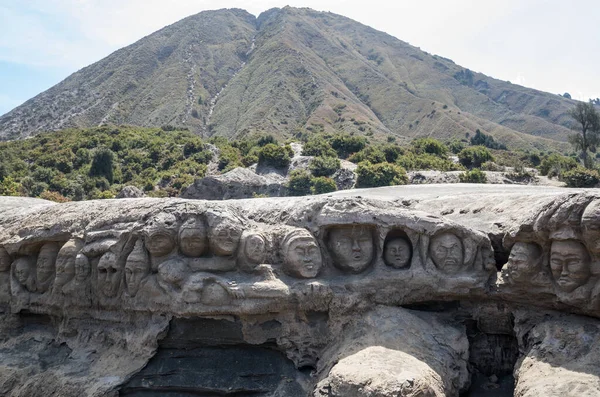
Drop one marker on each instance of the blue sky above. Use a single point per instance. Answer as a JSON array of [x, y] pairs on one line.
[[549, 45]]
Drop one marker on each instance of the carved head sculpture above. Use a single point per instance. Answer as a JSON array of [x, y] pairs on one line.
[[225, 238], [570, 264], [524, 262], [65, 262], [82, 267], [192, 237], [447, 253], [137, 268], [46, 265], [23, 272], [172, 275], [302, 256], [160, 234], [255, 247], [4, 260], [397, 252], [590, 225], [109, 275], [352, 247]]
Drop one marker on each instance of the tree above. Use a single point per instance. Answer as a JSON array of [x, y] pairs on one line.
[[586, 140], [102, 163], [474, 156], [382, 174]]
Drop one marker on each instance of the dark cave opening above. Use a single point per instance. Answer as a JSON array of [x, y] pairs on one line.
[[492, 358], [206, 357]]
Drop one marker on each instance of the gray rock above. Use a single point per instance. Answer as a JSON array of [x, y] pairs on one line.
[[433, 290], [130, 192]]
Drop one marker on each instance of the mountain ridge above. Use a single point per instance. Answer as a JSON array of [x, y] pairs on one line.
[[229, 73]]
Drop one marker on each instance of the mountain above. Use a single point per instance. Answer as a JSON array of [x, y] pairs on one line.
[[228, 73]]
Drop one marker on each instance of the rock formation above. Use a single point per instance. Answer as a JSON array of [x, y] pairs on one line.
[[321, 296]]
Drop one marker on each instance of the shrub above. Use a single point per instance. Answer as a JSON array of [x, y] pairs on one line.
[[8, 187], [391, 152], [456, 146], [473, 176], [581, 177], [382, 174], [192, 146], [54, 196], [345, 145], [556, 165], [371, 154], [299, 183], [317, 146], [274, 156], [474, 156], [102, 164], [229, 158], [481, 139], [431, 146], [322, 185], [324, 166]]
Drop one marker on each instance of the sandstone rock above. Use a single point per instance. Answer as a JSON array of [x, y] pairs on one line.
[[397, 352], [415, 290], [130, 192], [237, 183]]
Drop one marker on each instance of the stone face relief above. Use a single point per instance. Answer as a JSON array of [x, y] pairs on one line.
[[225, 238], [65, 263], [570, 264], [447, 252], [352, 247], [160, 234], [24, 273], [255, 247], [397, 252], [302, 256], [137, 268], [172, 275], [524, 262], [46, 266], [82, 267], [193, 240], [109, 275], [590, 225]]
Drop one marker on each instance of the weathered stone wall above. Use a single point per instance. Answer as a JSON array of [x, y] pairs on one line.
[[322, 280]]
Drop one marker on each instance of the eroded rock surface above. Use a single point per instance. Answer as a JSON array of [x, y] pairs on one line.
[[383, 293]]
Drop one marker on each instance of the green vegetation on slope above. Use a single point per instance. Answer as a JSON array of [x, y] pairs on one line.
[[80, 164]]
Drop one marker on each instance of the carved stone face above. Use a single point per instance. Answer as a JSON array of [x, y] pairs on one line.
[[303, 258], [65, 264], [446, 251], [136, 269], [82, 267], [160, 243], [590, 225], [45, 267], [109, 275], [524, 261], [225, 239], [255, 248], [22, 271], [352, 248], [570, 264], [4, 260], [193, 241], [172, 274], [397, 253]]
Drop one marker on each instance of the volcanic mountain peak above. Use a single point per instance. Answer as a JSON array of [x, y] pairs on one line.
[[228, 73]]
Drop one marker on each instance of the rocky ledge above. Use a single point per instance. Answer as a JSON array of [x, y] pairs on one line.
[[408, 291]]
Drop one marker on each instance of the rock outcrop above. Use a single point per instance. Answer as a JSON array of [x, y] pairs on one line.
[[386, 292]]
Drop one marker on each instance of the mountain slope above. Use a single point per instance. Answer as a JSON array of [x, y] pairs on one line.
[[227, 73]]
